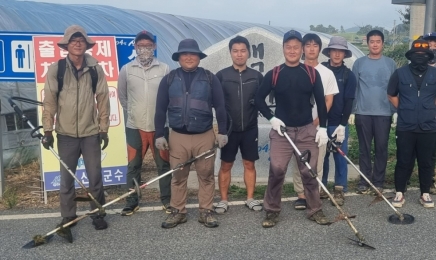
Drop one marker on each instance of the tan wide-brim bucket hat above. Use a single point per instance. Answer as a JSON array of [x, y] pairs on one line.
[[72, 30]]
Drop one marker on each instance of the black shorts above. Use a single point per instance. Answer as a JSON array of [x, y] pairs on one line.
[[246, 141]]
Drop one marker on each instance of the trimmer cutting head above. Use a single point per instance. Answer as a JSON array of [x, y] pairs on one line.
[[361, 244], [407, 219], [37, 241]]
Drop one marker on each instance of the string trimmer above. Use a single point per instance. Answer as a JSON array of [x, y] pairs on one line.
[[305, 160], [43, 239], [398, 218], [36, 134]]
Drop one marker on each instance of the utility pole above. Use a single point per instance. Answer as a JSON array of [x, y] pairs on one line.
[[430, 16]]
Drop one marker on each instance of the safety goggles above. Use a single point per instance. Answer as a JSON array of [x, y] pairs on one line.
[[420, 45]]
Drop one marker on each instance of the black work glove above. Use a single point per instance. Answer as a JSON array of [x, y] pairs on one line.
[[104, 139], [48, 140]]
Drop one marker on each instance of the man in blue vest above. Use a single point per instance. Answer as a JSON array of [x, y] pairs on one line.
[[188, 94], [412, 90]]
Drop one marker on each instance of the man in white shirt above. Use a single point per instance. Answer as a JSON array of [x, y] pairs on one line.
[[312, 45]]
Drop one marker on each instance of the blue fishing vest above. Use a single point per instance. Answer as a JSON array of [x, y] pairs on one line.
[[192, 109], [416, 107]]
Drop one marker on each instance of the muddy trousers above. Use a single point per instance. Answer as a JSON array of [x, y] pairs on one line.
[[281, 153], [70, 149], [138, 142], [182, 148]]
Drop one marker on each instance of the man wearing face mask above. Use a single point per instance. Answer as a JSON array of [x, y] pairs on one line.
[[138, 83], [412, 90]]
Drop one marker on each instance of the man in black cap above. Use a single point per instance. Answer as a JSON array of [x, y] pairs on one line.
[[187, 95], [431, 38], [293, 85], [412, 90], [137, 94]]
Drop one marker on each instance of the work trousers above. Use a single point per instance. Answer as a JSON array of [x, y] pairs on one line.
[[182, 148], [409, 145], [281, 153], [70, 149], [138, 142], [369, 128]]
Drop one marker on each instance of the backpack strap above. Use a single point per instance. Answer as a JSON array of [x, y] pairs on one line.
[[311, 72], [312, 76], [94, 78], [62, 66], [275, 75]]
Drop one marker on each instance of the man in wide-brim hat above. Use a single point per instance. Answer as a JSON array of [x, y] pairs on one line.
[[80, 128], [339, 113], [186, 94]]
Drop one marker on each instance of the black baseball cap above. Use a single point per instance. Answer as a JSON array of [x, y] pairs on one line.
[[144, 35], [292, 34]]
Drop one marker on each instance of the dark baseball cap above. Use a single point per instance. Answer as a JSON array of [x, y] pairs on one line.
[[144, 35], [429, 36], [292, 34]]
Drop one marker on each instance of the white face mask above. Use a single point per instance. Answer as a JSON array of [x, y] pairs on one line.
[[144, 55]]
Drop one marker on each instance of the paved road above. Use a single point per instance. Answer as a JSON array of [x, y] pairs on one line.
[[239, 236]]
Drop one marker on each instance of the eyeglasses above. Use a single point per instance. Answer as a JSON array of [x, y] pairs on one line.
[[420, 45], [76, 41], [148, 46]]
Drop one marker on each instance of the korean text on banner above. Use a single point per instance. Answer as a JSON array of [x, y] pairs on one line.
[[114, 157]]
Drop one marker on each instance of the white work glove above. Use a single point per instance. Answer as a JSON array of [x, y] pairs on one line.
[[321, 136], [351, 119], [162, 144], [276, 124], [394, 120], [339, 133], [222, 140]]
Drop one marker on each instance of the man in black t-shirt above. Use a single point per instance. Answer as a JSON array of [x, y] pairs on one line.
[[293, 90]]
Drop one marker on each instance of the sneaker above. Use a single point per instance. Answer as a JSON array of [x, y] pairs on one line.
[[374, 193], [271, 219], [208, 219], [319, 218], [300, 204], [323, 194], [167, 208], [399, 200], [67, 220], [426, 201], [99, 223], [129, 210], [174, 219], [362, 189], [338, 195]]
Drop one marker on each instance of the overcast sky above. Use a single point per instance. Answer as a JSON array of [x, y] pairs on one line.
[[295, 13]]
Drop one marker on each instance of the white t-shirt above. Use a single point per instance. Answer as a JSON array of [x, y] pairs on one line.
[[328, 82]]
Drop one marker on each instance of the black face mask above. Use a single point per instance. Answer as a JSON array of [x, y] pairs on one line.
[[419, 61]]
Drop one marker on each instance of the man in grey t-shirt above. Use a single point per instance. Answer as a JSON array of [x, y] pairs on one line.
[[372, 110]]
